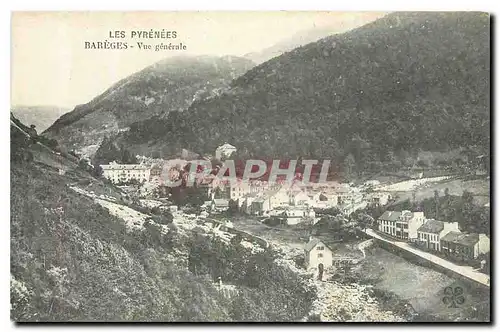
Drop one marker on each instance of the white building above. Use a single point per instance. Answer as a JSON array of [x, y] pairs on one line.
[[245, 203], [432, 231], [119, 173], [220, 205], [350, 208], [465, 245], [239, 189], [300, 198], [318, 254], [297, 214], [224, 151], [379, 198], [403, 225]]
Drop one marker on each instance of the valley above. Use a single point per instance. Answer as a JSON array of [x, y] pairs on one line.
[[396, 229]]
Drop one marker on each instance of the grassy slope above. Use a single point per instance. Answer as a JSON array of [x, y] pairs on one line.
[[73, 261]]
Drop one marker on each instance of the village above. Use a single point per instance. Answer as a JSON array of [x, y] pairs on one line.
[[309, 206]]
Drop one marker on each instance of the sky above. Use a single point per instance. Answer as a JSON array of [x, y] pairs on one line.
[[50, 65]]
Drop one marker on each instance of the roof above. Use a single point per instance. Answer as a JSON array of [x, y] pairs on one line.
[[313, 242], [226, 146], [431, 226], [303, 193], [259, 200], [124, 166], [465, 239], [396, 215], [221, 201], [343, 190], [390, 215]]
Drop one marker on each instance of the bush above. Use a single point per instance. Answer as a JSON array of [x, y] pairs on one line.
[[273, 222]]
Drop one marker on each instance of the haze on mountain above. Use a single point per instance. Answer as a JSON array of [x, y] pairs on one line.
[[404, 83], [299, 39], [169, 85], [40, 116]]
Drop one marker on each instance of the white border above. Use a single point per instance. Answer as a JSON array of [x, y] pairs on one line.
[[128, 5]]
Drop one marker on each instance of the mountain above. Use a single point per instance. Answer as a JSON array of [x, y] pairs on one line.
[[404, 83], [82, 250], [169, 85], [41, 116], [339, 24], [299, 39]]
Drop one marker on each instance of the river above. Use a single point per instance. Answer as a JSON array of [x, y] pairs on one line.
[[422, 287]]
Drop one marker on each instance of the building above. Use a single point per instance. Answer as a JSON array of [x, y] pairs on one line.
[[297, 214], [278, 197], [239, 189], [345, 195], [379, 199], [300, 198], [261, 205], [318, 254], [403, 225], [350, 208], [293, 215], [220, 205], [224, 151], [245, 203], [465, 246], [122, 173], [155, 172], [432, 231]]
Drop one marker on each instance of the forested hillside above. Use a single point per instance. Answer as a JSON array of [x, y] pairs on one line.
[[73, 260], [404, 83], [169, 85]]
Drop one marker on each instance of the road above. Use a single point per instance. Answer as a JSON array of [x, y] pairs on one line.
[[230, 229], [465, 271]]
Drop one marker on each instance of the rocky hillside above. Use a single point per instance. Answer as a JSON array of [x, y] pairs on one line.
[[169, 85], [83, 250], [404, 83], [41, 116]]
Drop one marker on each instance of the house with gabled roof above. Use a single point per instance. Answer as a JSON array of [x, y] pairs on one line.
[[401, 224], [318, 254], [224, 151], [465, 246], [220, 205], [432, 231]]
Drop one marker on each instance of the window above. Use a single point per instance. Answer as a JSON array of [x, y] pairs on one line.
[[321, 248], [320, 255]]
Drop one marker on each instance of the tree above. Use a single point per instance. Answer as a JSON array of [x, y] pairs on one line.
[[233, 206], [349, 164], [126, 157], [83, 164], [236, 239], [364, 220], [436, 202], [97, 171]]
